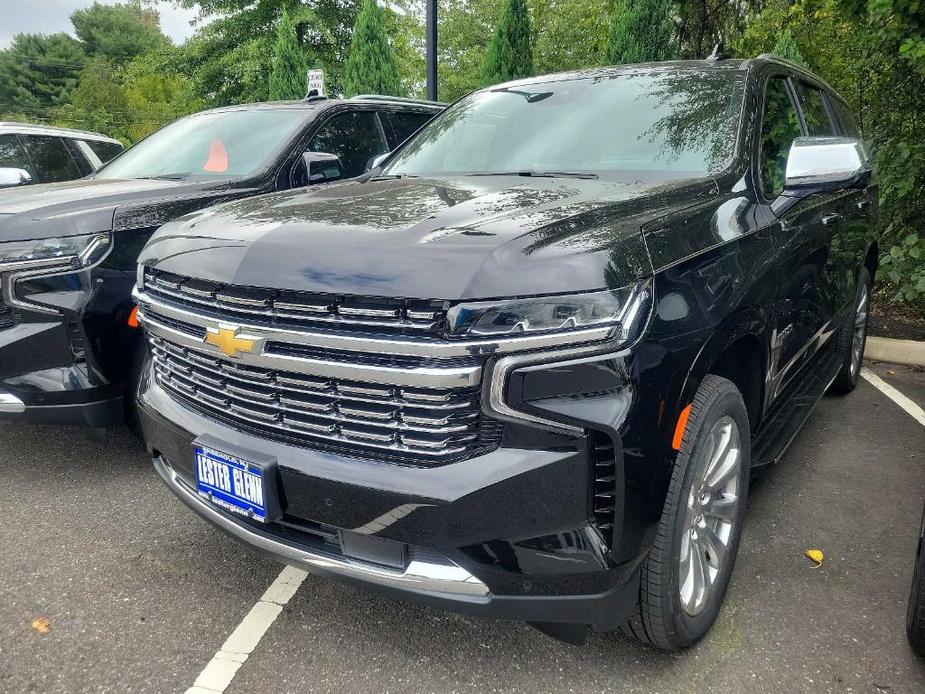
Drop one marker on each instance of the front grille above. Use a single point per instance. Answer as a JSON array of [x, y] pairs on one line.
[[415, 425], [604, 484], [290, 309]]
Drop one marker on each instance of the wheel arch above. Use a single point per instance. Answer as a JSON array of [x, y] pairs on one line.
[[738, 349]]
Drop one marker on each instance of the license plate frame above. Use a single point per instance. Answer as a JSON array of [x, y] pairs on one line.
[[240, 482]]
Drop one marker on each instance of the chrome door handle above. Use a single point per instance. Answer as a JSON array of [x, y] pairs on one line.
[[831, 219]]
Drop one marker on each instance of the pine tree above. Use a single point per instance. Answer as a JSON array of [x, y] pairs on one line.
[[509, 55], [640, 32], [288, 74], [371, 67], [786, 47]]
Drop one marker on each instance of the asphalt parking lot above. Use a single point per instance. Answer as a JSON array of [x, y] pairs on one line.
[[139, 593]]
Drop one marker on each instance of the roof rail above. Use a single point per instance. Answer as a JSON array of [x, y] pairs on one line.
[[400, 99]]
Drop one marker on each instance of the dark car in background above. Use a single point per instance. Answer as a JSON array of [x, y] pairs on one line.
[[43, 154], [526, 366], [68, 250]]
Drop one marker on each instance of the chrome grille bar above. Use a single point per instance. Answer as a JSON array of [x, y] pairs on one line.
[[429, 424]]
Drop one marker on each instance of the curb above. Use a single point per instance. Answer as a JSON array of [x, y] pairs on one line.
[[910, 352]]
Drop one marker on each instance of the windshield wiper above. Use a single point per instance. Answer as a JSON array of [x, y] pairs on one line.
[[538, 174], [391, 177], [163, 177]]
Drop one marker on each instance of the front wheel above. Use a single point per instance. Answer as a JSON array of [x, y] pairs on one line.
[[915, 616], [685, 575], [852, 337]]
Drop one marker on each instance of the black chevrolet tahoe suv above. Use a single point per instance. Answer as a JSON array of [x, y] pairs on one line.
[[68, 251], [526, 366]]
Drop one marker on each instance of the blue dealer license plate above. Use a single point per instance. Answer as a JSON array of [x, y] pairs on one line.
[[231, 483]]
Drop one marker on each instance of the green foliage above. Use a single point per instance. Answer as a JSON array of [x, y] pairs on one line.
[[118, 32], [509, 55], [904, 268], [786, 47], [38, 72], [288, 73], [227, 59], [371, 66], [640, 32]]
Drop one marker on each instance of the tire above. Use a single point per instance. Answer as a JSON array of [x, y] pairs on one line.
[[671, 616], [915, 615], [852, 338]]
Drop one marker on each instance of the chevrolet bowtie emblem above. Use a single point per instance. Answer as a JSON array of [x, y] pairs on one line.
[[227, 340]]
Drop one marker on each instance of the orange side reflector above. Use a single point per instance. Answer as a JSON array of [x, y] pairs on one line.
[[679, 428], [218, 158], [133, 318]]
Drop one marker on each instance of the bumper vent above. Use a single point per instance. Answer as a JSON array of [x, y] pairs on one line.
[[278, 308], [604, 485], [418, 425]]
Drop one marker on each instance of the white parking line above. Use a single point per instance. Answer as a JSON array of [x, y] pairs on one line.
[[217, 675], [911, 408]]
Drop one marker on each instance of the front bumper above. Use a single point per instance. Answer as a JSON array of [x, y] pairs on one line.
[[506, 534]]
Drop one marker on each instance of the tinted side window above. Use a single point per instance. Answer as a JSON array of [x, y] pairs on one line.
[[354, 136], [52, 160], [405, 124], [80, 157], [814, 111], [105, 150], [780, 126], [849, 125], [13, 155]]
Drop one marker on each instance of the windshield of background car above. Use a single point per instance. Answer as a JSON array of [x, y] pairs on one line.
[[682, 122], [228, 144]]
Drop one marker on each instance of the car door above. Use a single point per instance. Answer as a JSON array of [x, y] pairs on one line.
[[795, 312], [355, 135]]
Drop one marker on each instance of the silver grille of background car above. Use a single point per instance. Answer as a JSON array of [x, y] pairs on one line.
[[7, 317], [362, 397]]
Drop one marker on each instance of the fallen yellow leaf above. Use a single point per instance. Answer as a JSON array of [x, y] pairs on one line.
[[816, 556], [41, 625], [890, 372]]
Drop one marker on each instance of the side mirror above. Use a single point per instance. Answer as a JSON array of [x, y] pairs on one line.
[[376, 161], [322, 167], [12, 177], [821, 164]]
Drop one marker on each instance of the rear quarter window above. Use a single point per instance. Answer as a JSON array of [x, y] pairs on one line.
[[105, 150]]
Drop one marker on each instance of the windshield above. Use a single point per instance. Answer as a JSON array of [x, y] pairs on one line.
[[681, 122], [227, 144]]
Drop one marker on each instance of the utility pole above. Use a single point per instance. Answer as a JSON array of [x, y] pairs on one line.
[[431, 36]]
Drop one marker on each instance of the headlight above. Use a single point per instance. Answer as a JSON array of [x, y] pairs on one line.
[[51, 256], [616, 311], [23, 261]]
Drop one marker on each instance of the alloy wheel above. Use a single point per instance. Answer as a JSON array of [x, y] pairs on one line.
[[860, 330], [710, 514]]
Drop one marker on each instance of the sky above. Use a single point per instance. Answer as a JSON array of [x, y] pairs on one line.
[[50, 16]]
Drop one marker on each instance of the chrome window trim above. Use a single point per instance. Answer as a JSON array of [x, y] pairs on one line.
[[378, 345]]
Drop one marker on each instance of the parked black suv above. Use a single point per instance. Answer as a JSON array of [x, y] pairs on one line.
[[68, 251], [526, 367]]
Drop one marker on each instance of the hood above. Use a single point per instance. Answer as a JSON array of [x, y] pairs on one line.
[[460, 238], [89, 205]]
